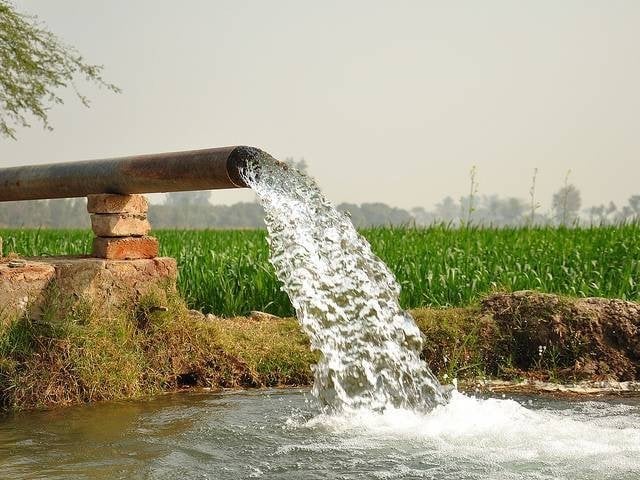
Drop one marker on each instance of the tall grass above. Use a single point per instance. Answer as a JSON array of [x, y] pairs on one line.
[[227, 272]]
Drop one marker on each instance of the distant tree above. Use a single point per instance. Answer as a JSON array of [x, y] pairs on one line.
[[489, 210], [634, 204], [354, 212], [630, 211], [376, 214], [200, 197], [447, 210], [422, 217], [596, 214], [300, 165], [513, 211], [509, 211], [58, 213], [492, 210], [34, 65], [625, 213], [601, 214], [238, 215], [566, 204]]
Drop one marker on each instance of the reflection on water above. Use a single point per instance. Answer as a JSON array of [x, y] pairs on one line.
[[278, 434]]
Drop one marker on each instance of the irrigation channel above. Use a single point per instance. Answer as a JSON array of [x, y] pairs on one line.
[[375, 410]]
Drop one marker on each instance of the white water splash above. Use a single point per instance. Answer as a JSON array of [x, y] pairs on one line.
[[345, 297], [485, 439]]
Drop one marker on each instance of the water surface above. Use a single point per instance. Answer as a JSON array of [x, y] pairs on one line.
[[281, 434]]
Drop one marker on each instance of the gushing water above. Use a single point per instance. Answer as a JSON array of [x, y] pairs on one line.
[[345, 297]]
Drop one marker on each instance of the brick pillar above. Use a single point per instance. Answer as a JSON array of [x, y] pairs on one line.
[[121, 227]]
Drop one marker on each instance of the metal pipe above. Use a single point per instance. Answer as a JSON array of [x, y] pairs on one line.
[[212, 168]]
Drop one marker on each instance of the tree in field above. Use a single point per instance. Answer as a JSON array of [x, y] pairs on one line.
[[34, 66], [186, 199], [447, 210], [300, 165], [631, 211], [506, 211], [600, 214], [422, 217], [566, 203], [634, 204], [354, 212]]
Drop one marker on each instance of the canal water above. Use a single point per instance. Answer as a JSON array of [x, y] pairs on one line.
[[282, 434]]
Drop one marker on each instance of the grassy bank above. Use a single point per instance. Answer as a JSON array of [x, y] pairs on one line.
[[84, 356], [228, 273]]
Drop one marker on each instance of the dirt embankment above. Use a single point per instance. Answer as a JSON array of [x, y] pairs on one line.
[[591, 338], [89, 354], [535, 336]]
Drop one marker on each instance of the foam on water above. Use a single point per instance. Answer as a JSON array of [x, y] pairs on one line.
[[489, 435], [345, 298]]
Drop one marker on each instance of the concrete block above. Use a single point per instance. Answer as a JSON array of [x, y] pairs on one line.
[[23, 286], [113, 282], [120, 224], [109, 203], [104, 283], [125, 248]]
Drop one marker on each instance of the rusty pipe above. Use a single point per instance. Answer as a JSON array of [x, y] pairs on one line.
[[212, 168]]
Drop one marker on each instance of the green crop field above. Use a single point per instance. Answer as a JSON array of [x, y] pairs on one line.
[[227, 272]]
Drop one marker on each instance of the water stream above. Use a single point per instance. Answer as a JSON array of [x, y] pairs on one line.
[[345, 298]]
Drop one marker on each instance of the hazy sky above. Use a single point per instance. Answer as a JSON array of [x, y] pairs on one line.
[[387, 101]]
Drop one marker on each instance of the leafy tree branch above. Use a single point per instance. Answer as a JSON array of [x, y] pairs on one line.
[[34, 66]]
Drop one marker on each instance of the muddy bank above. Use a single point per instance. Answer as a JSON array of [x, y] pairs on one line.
[[529, 335], [524, 340], [569, 339]]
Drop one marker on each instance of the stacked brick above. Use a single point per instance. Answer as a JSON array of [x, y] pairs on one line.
[[121, 227]]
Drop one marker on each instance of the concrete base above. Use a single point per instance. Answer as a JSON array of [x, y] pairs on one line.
[[25, 285]]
